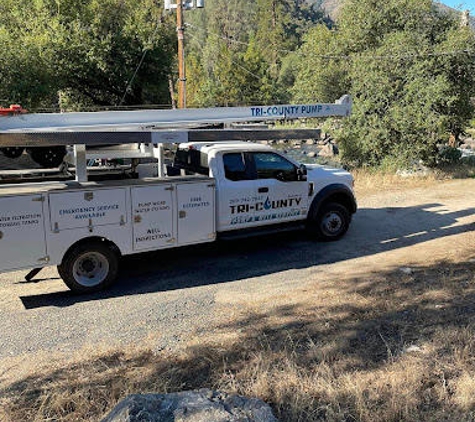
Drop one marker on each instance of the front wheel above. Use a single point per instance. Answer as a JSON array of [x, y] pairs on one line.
[[48, 157], [89, 267], [331, 221]]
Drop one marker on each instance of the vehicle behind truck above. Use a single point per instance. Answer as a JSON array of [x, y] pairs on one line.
[[47, 157]]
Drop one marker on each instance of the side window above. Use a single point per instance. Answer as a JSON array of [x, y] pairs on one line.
[[273, 166], [235, 166]]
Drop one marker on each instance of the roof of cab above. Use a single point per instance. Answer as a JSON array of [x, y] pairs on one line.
[[208, 147]]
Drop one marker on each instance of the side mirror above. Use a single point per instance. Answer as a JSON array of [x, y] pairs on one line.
[[302, 172]]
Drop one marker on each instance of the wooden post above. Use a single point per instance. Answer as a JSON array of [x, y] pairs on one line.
[[181, 55], [171, 90]]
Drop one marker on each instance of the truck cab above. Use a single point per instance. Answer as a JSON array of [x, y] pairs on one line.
[[257, 186]]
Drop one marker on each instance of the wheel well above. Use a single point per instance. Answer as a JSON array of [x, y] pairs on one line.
[[341, 198], [95, 239]]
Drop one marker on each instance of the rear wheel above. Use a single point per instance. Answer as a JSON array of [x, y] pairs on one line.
[[89, 267], [331, 221], [12, 152]]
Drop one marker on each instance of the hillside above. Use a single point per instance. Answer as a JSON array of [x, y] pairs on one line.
[[332, 7]]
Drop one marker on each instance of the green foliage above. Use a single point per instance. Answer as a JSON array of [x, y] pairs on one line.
[[237, 56], [99, 59], [25, 54], [79, 54], [364, 24], [320, 67], [409, 69], [65, 52]]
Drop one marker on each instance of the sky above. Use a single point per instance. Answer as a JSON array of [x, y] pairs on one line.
[[461, 5]]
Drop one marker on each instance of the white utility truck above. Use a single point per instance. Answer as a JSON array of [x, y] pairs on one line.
[[224, 189]]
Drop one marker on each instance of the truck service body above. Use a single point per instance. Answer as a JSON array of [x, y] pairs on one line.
[[225, 188]]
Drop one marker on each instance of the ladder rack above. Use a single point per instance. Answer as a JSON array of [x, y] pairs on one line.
[[149, 128], [152, 120]]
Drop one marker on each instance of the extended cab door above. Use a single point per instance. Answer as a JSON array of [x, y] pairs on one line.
[[281, 195], [235, 192]]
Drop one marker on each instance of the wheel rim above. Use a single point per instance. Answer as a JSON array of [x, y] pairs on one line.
[[91, 269], [12, 152], [332, 223], [51, 156], [48, 156]]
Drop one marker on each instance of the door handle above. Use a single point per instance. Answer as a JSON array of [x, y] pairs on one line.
[[263, 190]]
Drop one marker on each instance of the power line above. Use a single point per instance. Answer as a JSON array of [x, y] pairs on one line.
[[216, 34], [228, 38], [200, 42], [395, 56], [144, 54], [129, 84], [351, 56]]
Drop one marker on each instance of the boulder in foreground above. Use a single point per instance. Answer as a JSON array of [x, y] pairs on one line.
[[190, 406]]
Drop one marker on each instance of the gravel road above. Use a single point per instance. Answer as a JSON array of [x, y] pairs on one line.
[[164, 299]]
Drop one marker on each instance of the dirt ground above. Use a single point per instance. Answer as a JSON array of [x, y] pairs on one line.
[[325, 326], [165, 301]]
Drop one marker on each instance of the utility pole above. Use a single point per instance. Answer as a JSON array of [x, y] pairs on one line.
[[180, 5], [180, 29]]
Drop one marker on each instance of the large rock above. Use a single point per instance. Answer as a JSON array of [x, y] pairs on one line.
[[190, 406], [328, 150]]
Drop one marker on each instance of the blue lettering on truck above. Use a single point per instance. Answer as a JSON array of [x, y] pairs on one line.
[[289, 111], [265, 205]]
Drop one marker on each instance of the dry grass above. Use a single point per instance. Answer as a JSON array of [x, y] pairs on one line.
[[334, 350], [370, 181]]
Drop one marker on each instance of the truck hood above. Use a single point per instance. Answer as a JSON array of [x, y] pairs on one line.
[[317, 173]]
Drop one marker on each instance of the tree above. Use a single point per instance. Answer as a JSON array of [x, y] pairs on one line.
[[26, 34], [236, 56], [84, 52], [118, 55], [215, 44], [256, 83], [320, 67], [281, 24], [410, 71]]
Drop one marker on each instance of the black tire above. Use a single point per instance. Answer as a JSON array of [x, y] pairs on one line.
[[12, 152], [89, 267], [331, 222], [48, 157]]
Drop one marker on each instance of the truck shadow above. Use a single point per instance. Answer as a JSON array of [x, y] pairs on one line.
[[373, 230]]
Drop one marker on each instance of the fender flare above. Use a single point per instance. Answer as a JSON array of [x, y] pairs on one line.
[[91, 239], [336, 192]]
